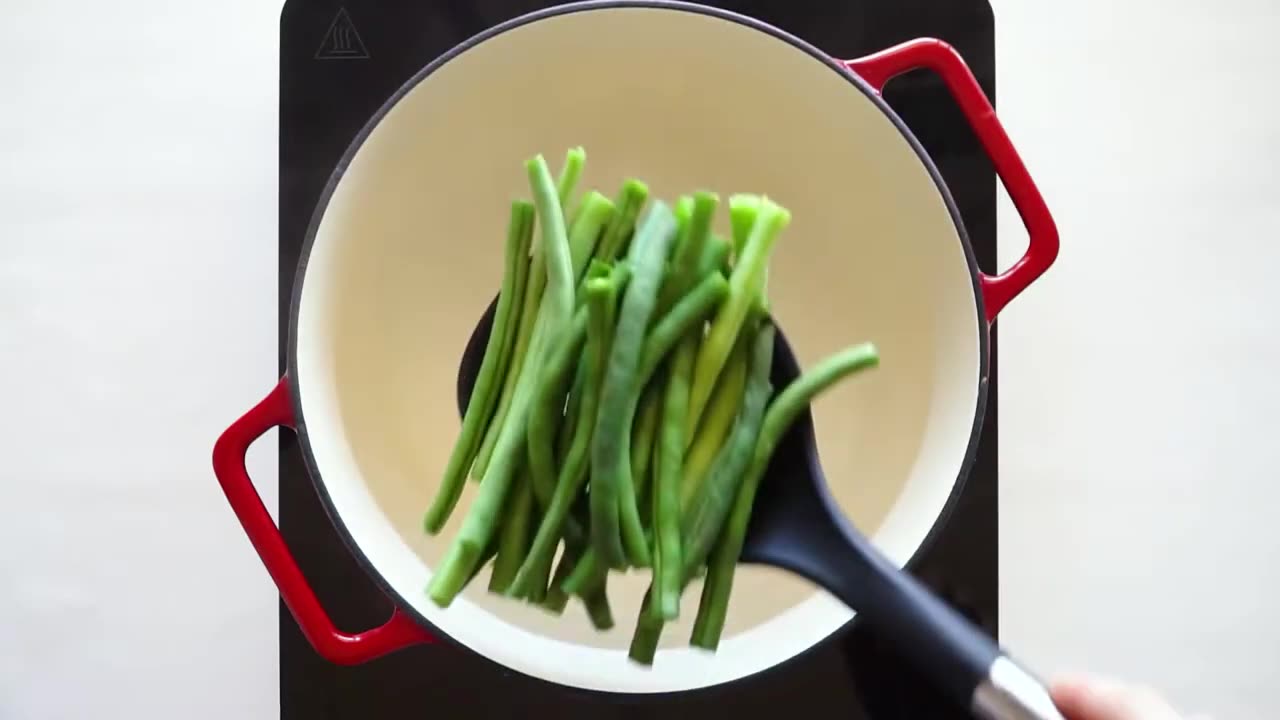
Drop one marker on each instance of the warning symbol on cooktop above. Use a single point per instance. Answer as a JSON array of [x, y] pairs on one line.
[[342, 42]]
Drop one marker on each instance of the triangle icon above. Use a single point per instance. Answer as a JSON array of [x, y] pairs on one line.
[[342, 41]]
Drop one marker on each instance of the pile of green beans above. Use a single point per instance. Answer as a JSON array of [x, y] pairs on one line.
[[624, 413]]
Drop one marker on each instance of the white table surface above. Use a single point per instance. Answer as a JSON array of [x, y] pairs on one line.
[[1139, 384]]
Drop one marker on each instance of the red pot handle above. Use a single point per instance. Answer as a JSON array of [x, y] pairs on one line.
[[877, 69], [338, 647]]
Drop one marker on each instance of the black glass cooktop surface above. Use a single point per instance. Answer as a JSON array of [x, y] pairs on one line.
[[339, 61]]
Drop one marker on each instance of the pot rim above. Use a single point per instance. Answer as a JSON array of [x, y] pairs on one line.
[[408, 86]]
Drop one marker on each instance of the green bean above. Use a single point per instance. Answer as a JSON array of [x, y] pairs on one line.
[[511, 326], [691, 310], [743, 290], [546, 406], [618, 275], [782, 412], [529, 318], [694, 258], [513, 541], [564, 433], [642, 440], [537, 594], [561, 277], [538, 577], [743, 211], [683, 210], [742, 216], [596, 212], [599, 320], [682, 318], [524, 338], [558, 304], [574, 162], [513, 322], [490, 551], [630, 202], [611, 486], [509, 448], [484, 393], [595, 269], [726, 399], [588, 570], [567, 394], [708, 624], [619, 278], [715, 256], [668, 549], [573, 411], [557, 599], [726, 261], [729, 465], [596, 600], [480, 522], [621, 273], [634, 542], [533, 587], [648, 630], [687, 263], [711, 503]]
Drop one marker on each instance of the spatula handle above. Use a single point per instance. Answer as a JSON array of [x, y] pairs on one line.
[[805, 532], [1011, 693], [963, 660]]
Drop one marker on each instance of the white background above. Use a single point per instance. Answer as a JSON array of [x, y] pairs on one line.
[[1140, 380]]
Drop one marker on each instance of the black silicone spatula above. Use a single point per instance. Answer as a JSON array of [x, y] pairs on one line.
[[796, 526]]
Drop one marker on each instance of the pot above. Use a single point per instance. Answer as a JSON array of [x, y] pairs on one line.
[[405, 250]]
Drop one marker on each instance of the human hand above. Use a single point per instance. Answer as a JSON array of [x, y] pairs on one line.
[[1082, 697]]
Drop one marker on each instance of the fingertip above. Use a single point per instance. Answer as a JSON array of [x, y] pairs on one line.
[[1071, 692], [1081, 696], [1085, 696], [1077, 683]]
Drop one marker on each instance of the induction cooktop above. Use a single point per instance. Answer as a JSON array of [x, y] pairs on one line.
[[339, 61]]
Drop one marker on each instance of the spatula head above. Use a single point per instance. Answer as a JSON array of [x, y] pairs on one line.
[[473, 356], [796, 525]]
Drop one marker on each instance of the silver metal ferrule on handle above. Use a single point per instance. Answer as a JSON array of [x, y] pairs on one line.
[[1011, 693]]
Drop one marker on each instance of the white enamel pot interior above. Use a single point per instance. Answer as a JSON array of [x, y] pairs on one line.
[[406, 253]]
